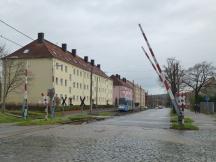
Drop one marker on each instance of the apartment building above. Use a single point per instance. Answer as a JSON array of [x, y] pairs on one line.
[[139, 95], [126, 89], [122, 91], [50, 66]]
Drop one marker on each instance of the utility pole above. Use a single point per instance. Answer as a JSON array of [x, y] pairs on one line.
[[92, 64], [96, 91], [140, 97]]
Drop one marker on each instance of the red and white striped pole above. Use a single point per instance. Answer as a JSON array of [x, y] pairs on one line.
[[152, 64], [163, 77], [25, 104]]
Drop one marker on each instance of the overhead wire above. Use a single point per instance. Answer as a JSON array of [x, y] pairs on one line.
[[11, 40], [16, 29]]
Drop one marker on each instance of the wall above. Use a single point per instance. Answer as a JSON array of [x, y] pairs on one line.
[[122, 92], [78, 84], [39, 71], [139, 95]]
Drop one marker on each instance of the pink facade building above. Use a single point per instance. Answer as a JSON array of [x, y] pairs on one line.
[[122, 91]]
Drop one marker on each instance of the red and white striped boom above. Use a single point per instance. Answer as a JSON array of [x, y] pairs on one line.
[[152, 63], [160, 73]]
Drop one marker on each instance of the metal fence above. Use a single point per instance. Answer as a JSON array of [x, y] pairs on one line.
[[208, 107]]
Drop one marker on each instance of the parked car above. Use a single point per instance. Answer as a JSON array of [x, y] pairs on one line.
[[160, 107]]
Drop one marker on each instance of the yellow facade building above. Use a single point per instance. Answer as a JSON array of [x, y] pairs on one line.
[[139, 95], [51, 66]]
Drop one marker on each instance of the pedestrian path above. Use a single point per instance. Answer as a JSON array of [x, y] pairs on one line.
[[203, 121]]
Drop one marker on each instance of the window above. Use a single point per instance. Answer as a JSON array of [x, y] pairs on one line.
[[80, 86], [84, 87], [56, 80], [74, 71], [77, 85], [57, 65], [66, 69], [77, 98], [61, 81], [80, 73], [77, 72], [73, 97], [70, 77], [65, 82], [61, 67], [69, 89], [74, 84]]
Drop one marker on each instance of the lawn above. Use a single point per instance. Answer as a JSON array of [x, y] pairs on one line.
[[188, 123], [186, 126], [5, 118], [106, 113], [70, 119]]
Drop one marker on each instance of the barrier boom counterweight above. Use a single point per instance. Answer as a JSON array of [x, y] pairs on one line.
[[161, 75]]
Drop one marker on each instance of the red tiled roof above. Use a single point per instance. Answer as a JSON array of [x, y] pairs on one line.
[[47, 49], [120, 82]]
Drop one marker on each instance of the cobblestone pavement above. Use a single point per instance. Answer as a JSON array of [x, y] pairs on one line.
[[135, 137]]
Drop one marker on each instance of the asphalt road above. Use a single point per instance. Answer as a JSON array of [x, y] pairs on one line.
[[142, 136]]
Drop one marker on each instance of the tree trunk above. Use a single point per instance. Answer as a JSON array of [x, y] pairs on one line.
[[3, 104], [196, 97], [4, 86]]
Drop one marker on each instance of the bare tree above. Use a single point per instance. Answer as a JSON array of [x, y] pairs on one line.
[[174, 73], [197, 77], [13, 72]]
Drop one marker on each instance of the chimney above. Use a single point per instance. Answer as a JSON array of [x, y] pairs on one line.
[[92, 62], [40, 37], [119, 76], [73, 51], [64, 47], [98, 65], [86, 58], [116, 75]]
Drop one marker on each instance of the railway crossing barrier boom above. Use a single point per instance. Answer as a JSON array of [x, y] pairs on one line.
[[162, 77]]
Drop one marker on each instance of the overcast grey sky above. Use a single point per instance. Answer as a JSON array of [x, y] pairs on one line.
[[107, 31]]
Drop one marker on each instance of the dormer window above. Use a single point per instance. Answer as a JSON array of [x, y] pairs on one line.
[[26, 51]]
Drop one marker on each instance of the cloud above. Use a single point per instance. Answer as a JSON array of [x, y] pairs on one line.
[[107, 31]]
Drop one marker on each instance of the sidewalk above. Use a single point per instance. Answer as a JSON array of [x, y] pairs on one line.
[[203, 121]]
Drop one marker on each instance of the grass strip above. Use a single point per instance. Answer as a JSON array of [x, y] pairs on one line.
[[5, 118], [188, 123], [70, 119]]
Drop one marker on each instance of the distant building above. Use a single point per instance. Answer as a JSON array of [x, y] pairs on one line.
[[156, 100], [127, 89], [122, 91], [139, 95], [55, 67]]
